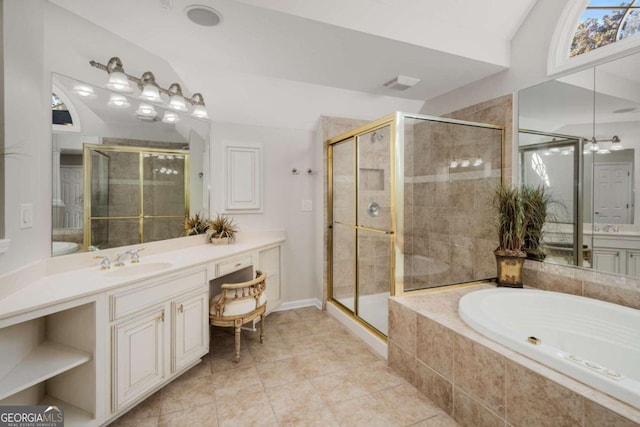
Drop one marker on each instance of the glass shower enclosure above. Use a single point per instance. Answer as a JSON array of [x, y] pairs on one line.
[[134, 194], [409, 206]]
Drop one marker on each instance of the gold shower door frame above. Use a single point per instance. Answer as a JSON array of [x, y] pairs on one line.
[[86, 162], [396, 121], [392, 121]]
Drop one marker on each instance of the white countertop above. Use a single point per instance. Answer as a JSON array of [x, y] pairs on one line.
[[50, 289]]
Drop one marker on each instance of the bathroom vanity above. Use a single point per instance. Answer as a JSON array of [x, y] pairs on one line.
[[98, 341]]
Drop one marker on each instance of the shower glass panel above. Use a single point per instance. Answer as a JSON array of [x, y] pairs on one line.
[[451, 170], [135, 194], [343, 265], [409, 207], [555, 162], [374, 277], [374, 180]]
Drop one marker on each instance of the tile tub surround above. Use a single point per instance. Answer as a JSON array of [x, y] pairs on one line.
[[480, 382], [310, 371]]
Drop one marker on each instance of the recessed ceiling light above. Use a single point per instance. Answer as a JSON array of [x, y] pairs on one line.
[[203, 15]]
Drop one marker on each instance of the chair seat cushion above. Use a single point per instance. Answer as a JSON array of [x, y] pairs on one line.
[[236, 307]]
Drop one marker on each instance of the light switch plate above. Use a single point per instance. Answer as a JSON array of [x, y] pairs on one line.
[[26, 215], [307, 205]]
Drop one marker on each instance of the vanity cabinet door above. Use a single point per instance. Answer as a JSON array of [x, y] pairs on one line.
[[190, 329], [269, 263], [138, 357], [633, 263], [606, 260]]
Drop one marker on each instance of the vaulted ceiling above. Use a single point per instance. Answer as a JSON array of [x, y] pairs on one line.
[[354, 45]]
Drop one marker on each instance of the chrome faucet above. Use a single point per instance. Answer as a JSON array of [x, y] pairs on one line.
[[105, 264], [121, 258]]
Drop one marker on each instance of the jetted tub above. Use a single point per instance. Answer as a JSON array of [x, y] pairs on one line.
[[595, 342]]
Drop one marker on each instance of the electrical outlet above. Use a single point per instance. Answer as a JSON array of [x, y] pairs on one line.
[[26, 215]]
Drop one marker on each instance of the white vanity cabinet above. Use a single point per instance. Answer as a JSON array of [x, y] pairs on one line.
[[607, 260], [50, 356], [159, 328], [270, 262]]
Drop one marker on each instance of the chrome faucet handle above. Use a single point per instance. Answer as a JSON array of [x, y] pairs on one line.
[[120, 258], [105, 264], [135, 256]]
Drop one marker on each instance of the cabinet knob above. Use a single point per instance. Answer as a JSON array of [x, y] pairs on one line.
[[180, 308], [161, 317]]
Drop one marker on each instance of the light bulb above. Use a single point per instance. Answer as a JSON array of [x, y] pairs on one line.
[[118, 101], [177, 103], [170, 117], [453, 164], [477, 162], [465, 164], [119, 82], [151, 93], [200, 112]]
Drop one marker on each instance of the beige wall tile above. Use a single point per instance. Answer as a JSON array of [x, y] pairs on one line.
[[596, 416], [480, 372], [469, 413], [403, 362], [614, 294], [533, 400], [434, 346], [435, 387], [402, 327]]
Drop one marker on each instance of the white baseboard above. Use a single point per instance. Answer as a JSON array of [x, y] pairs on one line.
[[291, 305], [361, 332]]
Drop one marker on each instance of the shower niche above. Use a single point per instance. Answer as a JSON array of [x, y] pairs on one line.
[[409, 208]]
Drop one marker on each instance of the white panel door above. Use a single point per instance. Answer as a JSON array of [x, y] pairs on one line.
[[138, 357], [633, 263], [244, 178], [72, 194], [190, 329], [607, 260], [612, 193]]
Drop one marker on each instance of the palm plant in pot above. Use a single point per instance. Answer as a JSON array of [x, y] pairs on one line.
[[511, 227], [535, 204], [221, 230]]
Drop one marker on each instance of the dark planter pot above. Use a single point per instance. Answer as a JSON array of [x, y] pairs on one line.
[[510, 270]]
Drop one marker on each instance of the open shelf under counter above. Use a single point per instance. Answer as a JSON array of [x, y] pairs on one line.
[[45, 361], [73, 416]]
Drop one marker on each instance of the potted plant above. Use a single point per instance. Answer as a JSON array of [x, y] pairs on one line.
[[195, 225], [221, 230], [511, 227], [535, 204]]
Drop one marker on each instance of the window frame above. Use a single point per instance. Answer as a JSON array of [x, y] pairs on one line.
[[559, 61]]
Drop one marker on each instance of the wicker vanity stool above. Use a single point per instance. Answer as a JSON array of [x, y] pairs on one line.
[[240, 303]]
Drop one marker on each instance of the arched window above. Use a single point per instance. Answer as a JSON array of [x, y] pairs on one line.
[[605, 22], [591, 30]]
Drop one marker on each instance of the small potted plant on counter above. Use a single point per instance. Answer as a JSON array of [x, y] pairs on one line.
[[195, 225], [511, 226], [221, 230]]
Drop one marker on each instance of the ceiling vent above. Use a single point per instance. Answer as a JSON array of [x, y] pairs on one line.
[[402, 82]]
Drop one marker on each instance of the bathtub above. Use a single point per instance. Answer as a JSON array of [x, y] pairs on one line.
[[595, 342]]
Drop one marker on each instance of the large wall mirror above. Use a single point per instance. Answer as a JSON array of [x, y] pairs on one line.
[[124, 171], [580, 138]]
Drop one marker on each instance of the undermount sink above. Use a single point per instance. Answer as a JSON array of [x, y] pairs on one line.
[[133, 270]]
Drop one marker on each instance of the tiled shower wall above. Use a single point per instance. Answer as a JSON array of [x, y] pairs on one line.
[[448, 214]]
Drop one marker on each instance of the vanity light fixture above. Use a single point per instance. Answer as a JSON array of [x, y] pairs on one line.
[[465, 163], [177, 101], [616, 143], [119, 81], [477, 162], [150, 90]]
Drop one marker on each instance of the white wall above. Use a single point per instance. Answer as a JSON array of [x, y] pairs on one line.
[[284, 149], [529, 50], [27, 133]]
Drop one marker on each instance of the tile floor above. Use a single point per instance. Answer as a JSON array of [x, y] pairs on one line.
[[310, 371]]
